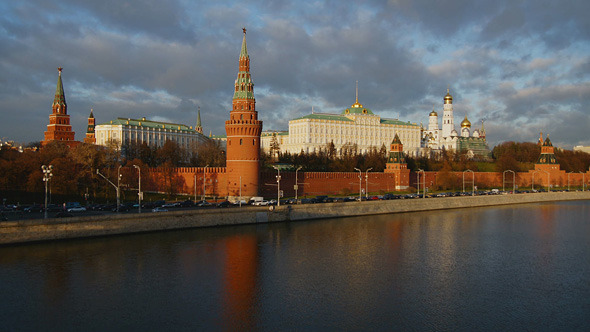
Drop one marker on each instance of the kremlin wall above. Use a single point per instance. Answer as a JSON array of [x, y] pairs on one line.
[[242, 177]]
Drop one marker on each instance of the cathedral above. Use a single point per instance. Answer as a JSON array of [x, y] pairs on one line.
[[436, 139]]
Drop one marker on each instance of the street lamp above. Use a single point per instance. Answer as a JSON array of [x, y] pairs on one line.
[[472, 181], [296, 186], [360, 183], [278, 185], [112, 184], [367, 182], [423, 182], [204, 176], [583, 180], [119, 187], [533, 183], [513, 179], [46, 177], [548, 180], [568, 180], [139, 193]]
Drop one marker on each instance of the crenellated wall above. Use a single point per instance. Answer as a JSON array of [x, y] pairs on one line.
[[182, 180]]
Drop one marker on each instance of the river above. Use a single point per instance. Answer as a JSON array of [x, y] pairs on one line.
[[520, 267]]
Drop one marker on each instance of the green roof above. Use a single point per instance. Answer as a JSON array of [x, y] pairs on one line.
[[331, 117], [357, 109], [397, 122], [271, 133], [150, 124], [60, 96]]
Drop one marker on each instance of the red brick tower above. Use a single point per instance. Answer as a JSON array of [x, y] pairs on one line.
[[396, 164], [90, 138], [243, 134], [59, 128]]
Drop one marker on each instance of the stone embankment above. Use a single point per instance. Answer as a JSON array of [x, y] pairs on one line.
[[91, 226]]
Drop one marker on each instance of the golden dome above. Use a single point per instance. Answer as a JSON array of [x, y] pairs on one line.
[[448, 98], [465, 123], [433, 113]]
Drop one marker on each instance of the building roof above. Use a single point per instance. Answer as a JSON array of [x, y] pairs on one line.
[[60, 96], [149, 124], [325, 116]]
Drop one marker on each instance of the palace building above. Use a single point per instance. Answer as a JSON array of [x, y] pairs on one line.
[[123, 131], [357, 126]]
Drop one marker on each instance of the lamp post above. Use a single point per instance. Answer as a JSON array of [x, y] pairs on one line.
[[360, 183], [47, 174], [513, 179], [296, 186], [278, 185], [204, 178], [568, 180], [472, 181], [533, 183], [139, 193], [240, 191], [423, 182], [583, 180], [119, 187], [548, 181], [112, 184], [367, 182]]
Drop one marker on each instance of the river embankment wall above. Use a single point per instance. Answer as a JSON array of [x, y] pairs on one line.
[[90, 226]]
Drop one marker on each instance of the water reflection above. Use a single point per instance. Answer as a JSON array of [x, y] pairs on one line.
[[498, 268]]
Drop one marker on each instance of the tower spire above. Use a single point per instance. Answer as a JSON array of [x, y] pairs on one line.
[[60, 96], [199, 128]]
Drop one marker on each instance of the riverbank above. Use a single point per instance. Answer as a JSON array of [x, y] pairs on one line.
[[81, 227]]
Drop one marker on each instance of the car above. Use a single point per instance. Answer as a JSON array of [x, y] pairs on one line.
[[33, 208], [159, 209], [261, 203], [203, 204], [223, 204], [77, 209]]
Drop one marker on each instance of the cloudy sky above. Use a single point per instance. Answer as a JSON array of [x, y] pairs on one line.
[[521, 66]]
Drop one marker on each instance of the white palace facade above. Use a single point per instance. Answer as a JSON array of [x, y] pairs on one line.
[[122, 131], [355, 126]]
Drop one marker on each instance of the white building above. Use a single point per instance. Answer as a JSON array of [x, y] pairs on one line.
[[356, 125], [435, 139], [122, 131]]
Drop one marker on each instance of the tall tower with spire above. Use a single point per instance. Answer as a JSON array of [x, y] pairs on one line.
[[199, 127], [90, 136], [243, 131], [396, 164], [59, 128]]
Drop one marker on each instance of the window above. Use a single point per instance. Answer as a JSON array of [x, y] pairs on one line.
[[240, 141]]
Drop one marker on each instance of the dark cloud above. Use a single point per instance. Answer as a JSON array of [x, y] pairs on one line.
[[517, 64]]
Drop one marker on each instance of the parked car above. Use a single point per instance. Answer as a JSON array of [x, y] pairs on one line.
[[77, 209], [261, 203], [203, 204], [223, 204], [33, 208], [159, 209]]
